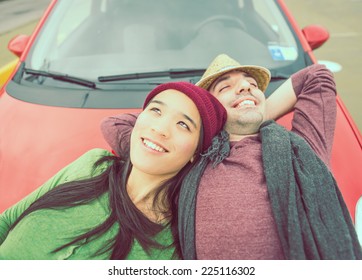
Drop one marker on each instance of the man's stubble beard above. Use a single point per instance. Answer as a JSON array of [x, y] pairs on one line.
[[245, 124]]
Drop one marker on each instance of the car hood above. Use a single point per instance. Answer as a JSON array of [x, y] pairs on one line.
[[50, 136]]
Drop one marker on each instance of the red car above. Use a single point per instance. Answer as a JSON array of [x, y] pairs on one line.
[[90, 59]]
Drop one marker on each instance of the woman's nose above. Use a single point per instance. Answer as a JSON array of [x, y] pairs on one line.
[[161, 127]]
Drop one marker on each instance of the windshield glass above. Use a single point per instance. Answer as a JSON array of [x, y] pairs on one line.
[[92, 38]]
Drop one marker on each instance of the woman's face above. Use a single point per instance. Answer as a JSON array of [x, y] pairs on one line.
[[166, 134]]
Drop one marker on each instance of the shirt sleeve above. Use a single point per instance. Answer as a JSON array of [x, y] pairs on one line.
[[79, 169], [315, 111], [117, 131]]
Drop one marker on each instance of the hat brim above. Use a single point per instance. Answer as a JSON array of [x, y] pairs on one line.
[[260, 74]]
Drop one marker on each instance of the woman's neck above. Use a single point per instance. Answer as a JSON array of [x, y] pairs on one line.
[[142, 189]]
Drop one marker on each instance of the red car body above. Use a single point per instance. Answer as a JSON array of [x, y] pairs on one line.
[[37, 140]]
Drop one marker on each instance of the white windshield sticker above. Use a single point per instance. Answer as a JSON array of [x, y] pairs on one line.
[[283, 53]]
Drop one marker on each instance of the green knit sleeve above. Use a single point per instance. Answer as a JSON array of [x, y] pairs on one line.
[[81, 168]]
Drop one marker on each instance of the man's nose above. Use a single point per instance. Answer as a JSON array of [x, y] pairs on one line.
[[243, 87]]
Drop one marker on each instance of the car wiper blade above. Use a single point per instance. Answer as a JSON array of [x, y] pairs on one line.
[[275, 75], [61, 77], [172, 73]]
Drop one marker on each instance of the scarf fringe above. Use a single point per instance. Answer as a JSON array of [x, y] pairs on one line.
[[219, 148]]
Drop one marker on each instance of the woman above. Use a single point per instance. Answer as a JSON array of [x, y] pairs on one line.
[[107, 207]]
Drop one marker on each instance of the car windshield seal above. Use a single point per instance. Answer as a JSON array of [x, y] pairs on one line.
[[61, 77], [172, 73]]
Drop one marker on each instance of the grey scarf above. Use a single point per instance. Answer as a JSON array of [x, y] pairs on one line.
[[218, 150]]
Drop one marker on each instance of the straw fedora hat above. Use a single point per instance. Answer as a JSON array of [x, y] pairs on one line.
[[223, 64]]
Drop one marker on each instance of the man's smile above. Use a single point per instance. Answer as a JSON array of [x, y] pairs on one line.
[[244, 102]]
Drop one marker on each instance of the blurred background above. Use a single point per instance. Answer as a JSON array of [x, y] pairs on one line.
[[342, 52], [343, 19]]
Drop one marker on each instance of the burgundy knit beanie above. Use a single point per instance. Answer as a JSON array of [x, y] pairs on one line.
[[212, 112]]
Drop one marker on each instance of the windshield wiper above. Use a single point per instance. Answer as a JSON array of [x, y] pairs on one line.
[[172, 73], [61, 77], [275, 75]]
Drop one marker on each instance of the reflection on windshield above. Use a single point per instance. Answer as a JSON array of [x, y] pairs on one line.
[[111, 37]]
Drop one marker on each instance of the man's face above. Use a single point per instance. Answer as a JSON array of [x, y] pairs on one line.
[[243, 101]]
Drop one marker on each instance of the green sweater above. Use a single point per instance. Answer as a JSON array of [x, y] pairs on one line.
[[42, 231]]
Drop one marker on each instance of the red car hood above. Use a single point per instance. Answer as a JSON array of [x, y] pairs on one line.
[[40, 140]]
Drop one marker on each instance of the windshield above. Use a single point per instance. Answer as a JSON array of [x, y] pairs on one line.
[[93, 38]]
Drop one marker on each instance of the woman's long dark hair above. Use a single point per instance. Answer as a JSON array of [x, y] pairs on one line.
[[133, 224]]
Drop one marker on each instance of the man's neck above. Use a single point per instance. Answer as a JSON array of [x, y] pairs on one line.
[[238, 137]]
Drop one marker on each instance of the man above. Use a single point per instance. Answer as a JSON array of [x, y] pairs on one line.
[[237, 214]]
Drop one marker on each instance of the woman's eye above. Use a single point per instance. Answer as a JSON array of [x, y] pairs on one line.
[[156, 110], [184, 125]]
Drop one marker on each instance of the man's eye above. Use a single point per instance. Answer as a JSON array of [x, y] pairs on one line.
[[184, 125], [223, 88], [253, 83]]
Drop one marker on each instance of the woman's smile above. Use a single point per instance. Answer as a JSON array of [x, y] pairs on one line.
[[154, 146]]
